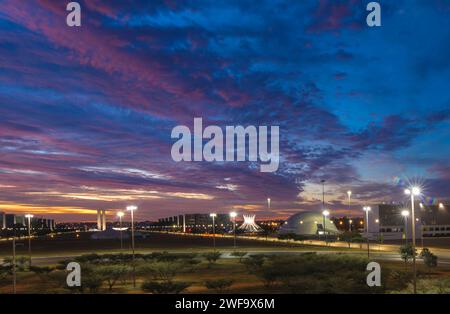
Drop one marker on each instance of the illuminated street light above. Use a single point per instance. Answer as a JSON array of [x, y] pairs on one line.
[[120, 215], [367, 210], [268, 203], [29, 216], [132, 208], [405, 214], [349, 194], [441, 206], [413, 191], [233, 217], [325, 214], [213, 216]]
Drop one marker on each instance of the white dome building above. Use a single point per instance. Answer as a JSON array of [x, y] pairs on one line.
[[308, 224]]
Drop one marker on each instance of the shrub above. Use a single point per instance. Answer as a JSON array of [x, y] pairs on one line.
[[212, 257], [219, 285], [240, 255], [42, 272], [165, 287], [407, 253], [429, 258], [254, 263], [312, 273], [112, 273]]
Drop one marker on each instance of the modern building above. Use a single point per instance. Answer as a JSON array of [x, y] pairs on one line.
[[101, 220], [387, 221], [9, 221], [308, 223], [189, 222], [2, 221]]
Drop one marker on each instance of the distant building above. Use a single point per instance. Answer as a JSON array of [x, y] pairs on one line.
[[386, 220], [308, 224], [9, 221], [197, 222], [2, 220]]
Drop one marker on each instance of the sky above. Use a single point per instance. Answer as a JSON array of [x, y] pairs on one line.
[[86, 113]]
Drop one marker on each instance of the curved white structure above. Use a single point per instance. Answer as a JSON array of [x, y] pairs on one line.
[[249, 224]]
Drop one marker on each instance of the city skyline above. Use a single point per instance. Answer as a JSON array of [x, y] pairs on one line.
[[86, 113]]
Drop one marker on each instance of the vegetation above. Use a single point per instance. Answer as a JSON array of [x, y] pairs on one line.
[[429, 258], [212, 257], [165, 287], [219, 285], [407, 252], [240, 255], [351, 237], [164, 272]]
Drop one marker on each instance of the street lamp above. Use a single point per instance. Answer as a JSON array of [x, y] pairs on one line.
[[233, 216], [349, 194], [367, 210], [405, 214], [213, 216], [268, 203], [441, 206], [120, 215], [29, 216], [325, 214], [413, 191], [132, 208]]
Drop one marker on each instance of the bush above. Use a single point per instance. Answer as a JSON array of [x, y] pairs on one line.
[[254, 263], [165, 287], [429, 258], [407, 253], [112, 273], [42, 272], [240, 255], [212, 257], [312, 273], [219, 285]]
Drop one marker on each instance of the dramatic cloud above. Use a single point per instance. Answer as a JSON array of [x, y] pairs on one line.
[[86, 113]]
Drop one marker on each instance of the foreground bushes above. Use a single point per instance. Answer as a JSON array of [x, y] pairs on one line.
[[312, 273]]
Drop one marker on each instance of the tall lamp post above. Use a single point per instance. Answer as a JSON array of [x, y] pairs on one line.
[[233, 216], [14, 260], [325, 214], [132, 208], [367, 210], [405, 214], [120, 215], [213, 216], [413, 191], [268, 203], [349, 194], [29, 216]]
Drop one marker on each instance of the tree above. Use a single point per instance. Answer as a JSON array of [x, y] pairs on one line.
[[42, 272], [254, 263], [93, 282], [165, 287], [212, 257], [240, 255], [429, 258], [112, 273], [219, 285], [407, 252]]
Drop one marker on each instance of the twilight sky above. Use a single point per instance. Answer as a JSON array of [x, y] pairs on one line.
[[86, 113]]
